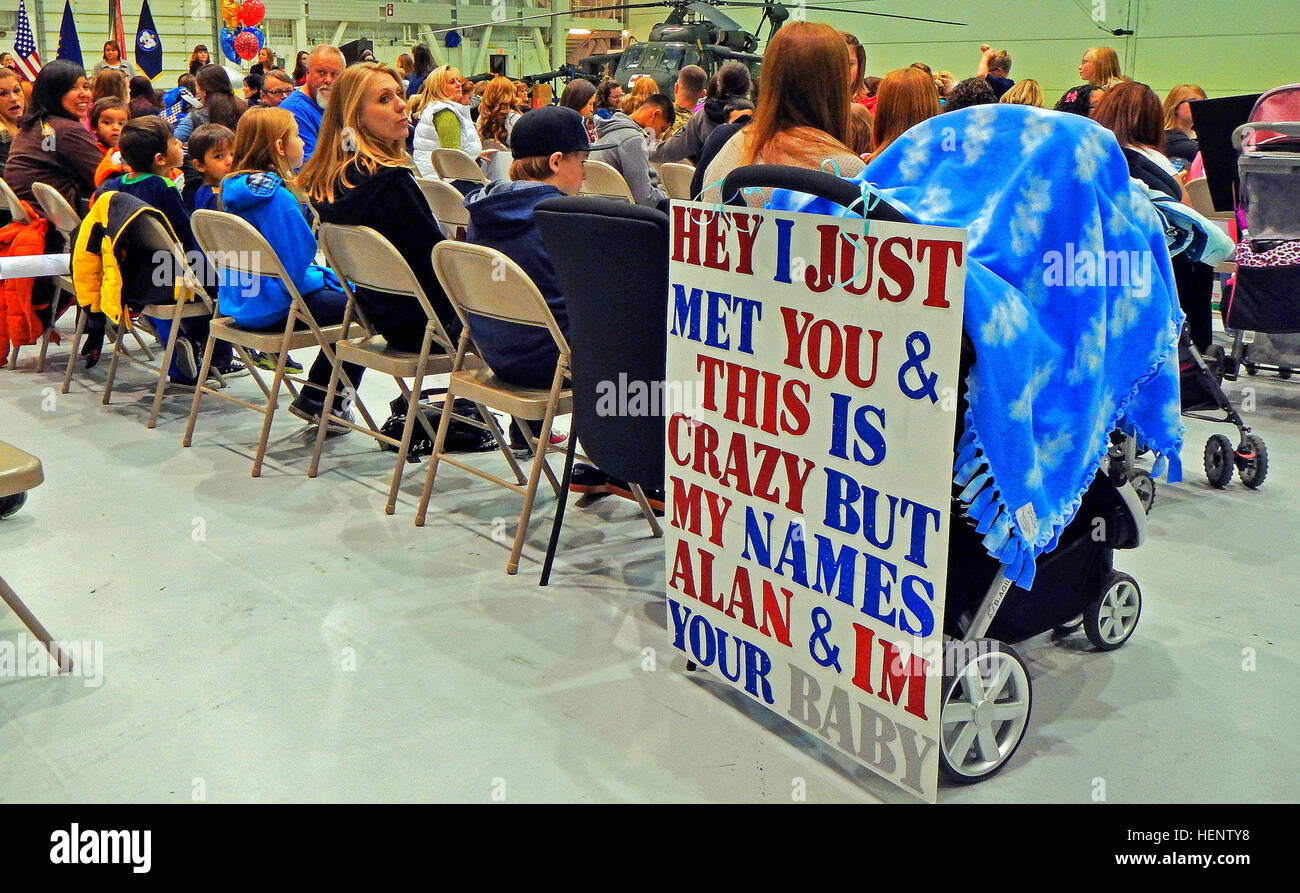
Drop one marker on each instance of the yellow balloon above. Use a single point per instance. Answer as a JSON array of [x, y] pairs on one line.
[[230, 13]]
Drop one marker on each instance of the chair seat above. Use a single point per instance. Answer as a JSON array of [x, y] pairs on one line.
[[481, 386], [270, 341], [373, 352], [165, 311], [19, 471]]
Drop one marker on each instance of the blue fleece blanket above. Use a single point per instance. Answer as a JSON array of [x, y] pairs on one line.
[[1070, 302]]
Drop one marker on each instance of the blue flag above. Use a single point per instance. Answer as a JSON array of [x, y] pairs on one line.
[[148, 46], [69, 45]]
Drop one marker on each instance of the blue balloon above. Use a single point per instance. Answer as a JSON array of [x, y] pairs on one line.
[[228, 45], [257, 32], [452, 40]]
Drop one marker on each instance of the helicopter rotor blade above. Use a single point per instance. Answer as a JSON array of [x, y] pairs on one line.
[[715, 16], [859, 12], [551, 15]]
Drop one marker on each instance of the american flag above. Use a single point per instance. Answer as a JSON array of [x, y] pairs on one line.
[[25, 44]]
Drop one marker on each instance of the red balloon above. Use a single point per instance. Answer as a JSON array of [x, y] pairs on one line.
[[251, 12], [245, 45]]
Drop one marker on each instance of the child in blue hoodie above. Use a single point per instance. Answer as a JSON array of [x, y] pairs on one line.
[[267, 150]]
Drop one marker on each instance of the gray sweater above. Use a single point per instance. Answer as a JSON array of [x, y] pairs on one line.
[[629, 157]]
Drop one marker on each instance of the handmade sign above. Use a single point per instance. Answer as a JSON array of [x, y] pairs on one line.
[[809, 479]]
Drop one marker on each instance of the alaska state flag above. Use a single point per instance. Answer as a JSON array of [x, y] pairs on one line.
[[69, 45], [148, 46]]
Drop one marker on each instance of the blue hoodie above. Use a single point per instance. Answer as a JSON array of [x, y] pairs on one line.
[[264, 201], [501, 217]]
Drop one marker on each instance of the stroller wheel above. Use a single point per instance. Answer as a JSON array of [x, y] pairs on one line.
[[985, 709], [1251, 368], [10, 505], [1066, 628], [1110, 620], [1219, 458], [1255, 469], [1146, 488]]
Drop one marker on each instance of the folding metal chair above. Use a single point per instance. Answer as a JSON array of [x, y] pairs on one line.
[[599, 178], [63, 284], [447, 205], [676, 179], [361, 257], [233, 246], [482, 281], [453, 164]]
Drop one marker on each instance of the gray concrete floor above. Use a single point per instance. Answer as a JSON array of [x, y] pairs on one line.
[[281, 639]]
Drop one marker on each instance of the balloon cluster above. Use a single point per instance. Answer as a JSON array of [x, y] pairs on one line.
[[240, 38]]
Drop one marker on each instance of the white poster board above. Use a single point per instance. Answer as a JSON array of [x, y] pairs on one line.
[[809, 470]]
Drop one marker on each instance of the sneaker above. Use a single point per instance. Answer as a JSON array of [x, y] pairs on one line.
[[185, 360], [267, 361], [524, 451], [309, 410], [232, 369], [589, 481]]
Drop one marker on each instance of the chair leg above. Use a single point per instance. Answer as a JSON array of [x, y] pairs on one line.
[[117, 352], [272, 403], [559, 509], [165, 365], [199, 388], [503, 444], [29, 620], [647, 512], [323, 427], [412, 410], [76, 346], [444, 423], [534, 476]]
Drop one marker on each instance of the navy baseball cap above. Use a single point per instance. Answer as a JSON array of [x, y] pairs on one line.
[[551, 129]]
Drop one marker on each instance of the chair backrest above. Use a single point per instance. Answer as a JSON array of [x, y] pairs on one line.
[[61, 214], [232, 245], [623, 339], [360, 256], [485, 282], [10, 202], [676, 179], [152, 236], [599, 178], [453, 164], [1198, 197], [799, 179], [447, 205]]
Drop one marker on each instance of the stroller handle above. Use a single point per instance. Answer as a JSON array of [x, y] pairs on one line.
[[1286, 128]]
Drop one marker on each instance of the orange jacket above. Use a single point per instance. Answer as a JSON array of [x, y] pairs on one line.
[[18, 321]]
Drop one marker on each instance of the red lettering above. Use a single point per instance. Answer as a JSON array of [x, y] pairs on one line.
[[796, 407], [712, 368], [794, 335], [745, 237], [836, 347], [674, 424], [853, 362], [938, 284], [818, 278], [715, 244], [686, 236], [897, 269]]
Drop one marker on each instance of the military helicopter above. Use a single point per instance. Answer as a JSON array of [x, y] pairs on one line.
[[694, 33]]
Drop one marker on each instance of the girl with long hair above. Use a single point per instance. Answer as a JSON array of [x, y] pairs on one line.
[[802, 118], [1026, 92], [496, 113], [360, 175], [144, 99], [300, 68], [421, 65], [580, 95], [906, 98], [857, 71], [220, 104], [260, 189], [1180, 139]]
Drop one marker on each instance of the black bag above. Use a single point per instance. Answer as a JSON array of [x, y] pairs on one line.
[[462, 437]]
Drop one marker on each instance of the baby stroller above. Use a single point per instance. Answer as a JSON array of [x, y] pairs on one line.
[[1264, 297], [984, 612], [1200, 379]]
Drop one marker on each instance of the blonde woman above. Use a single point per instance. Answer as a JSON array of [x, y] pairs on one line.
[[1026, 92], [360, 175], [441, 120], [12, 106], [1180, 139], [1100, 67]]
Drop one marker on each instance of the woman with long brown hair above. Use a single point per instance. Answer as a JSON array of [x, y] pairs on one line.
[[220, 104], [199, 58], [906, 97], [112, 59], [858, 71], [802, 118], [12, 105], [1180, 139]]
